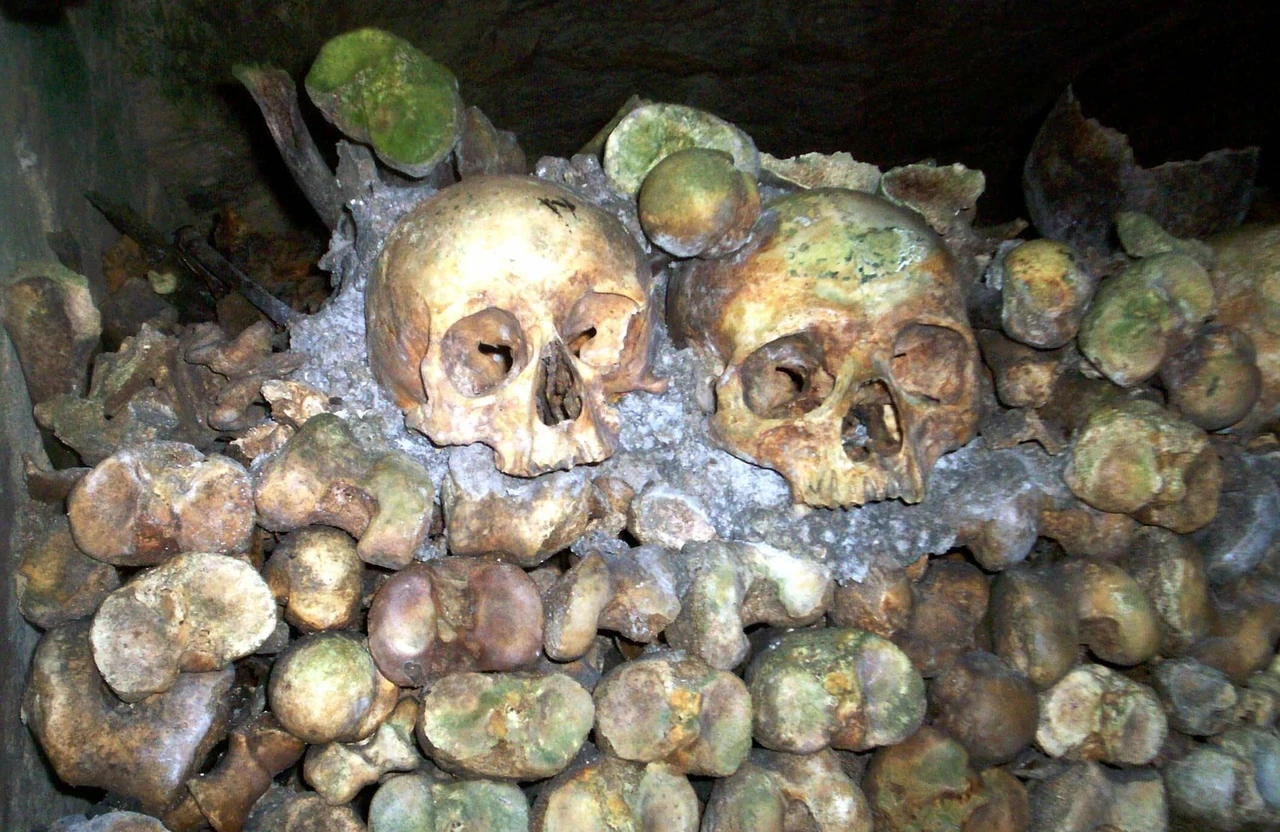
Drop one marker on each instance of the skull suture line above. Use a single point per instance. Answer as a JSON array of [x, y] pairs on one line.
[[843, 356], [510, 311]]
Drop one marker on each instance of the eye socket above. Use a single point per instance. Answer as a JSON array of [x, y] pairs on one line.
[[596, 328], [931, 363], [483, 350], [785, 378]]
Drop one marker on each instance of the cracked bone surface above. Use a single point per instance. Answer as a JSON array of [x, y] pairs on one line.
[[846, 418], [454, 615], [505, 725], [669, 708], [726, 587], [778, 792], [195, 612], [837, 687], [338, 771], [147, 503], [510, 311], [146, 750], [607, 794], [421, 803]]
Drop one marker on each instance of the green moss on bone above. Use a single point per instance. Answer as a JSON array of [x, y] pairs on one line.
[[380, 89]]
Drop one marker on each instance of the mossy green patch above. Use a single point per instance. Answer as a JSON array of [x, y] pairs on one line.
[[378, 88]]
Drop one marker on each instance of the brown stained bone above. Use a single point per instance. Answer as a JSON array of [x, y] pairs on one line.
[[1118, 622], [1086, 796], [246, 362], [484, 150], [573, 606], [145, 504], [924, 780], [1171, 572], [49, 485], [948, 606], [1243, 629], [1024, 377], [1243, 283], [987, 705], [316, 575], [458, 614], [338, 771], [195, 613], [223, 798], [524, 521], [147, 750], [323, 476], [645, 597], [1215, 381], [1084, 531], [55, 582], [277, 98], [881, 603], [54, 326], [1080, 174], [284, 810], [1033, 623], [110, 822]]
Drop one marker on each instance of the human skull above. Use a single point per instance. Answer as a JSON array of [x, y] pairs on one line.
[[509, 311], [841, 350]]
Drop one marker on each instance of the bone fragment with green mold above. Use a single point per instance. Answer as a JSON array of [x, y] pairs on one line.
[[325, 688], [338, 771], [940, 194], [1231, 785], [1142, 236], [837, 687], [611, 795], [695, 203], [316, 575], [1118, 622], [1171, 572], [667, 707], [422, 803], [196, 612], [1137, 458], [650, 133], [1215, 381], [323, 476], [145, 504], [380, 89], [1044, 292], [726, 587], [451, 615], [507, 726], [777, 792], [922, 784], [1147, 313], [1033, 623], [1094, 713]]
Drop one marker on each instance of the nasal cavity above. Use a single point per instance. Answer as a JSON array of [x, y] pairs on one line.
[[872, 426], [558, 389]]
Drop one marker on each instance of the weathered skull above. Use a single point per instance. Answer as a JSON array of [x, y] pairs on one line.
[[842, 350], [510, 311]]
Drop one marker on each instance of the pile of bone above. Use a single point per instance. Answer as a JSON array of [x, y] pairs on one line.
[[294, 631]]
